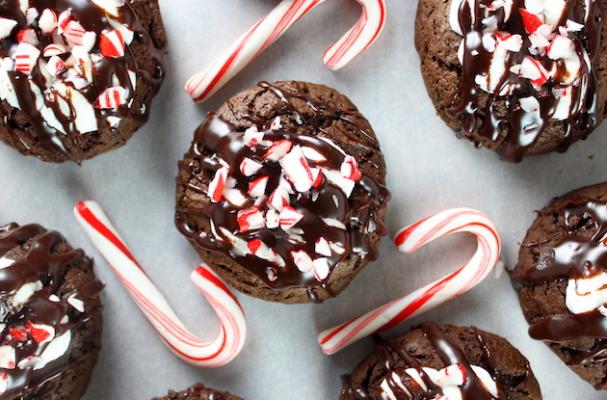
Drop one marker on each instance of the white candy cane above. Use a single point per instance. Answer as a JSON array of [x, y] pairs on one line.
[[409, 240], [271, 27], [152, 303]]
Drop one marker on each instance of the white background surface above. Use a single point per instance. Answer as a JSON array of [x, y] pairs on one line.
[[429, 170]]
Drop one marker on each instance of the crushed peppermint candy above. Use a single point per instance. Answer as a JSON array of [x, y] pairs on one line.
[[519, 53], [284, 200]]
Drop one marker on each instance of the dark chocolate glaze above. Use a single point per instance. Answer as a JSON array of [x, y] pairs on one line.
[[513, 128], [572, 258], [41, 262], [92, 18], [395, 360], [217, 137]]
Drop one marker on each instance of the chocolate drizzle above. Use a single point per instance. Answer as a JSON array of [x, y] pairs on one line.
[[394, 360], [217, 140], [573, 257], [27, 127], [38, 255], [497, 116]]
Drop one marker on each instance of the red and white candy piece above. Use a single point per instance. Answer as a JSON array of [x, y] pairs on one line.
[[48, 21], [463, 279], [271, 27], [112, 44], [6, 27], [26, 57], [152, 303], [111, 98]]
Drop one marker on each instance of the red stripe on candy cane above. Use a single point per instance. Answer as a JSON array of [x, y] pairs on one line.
[[271, 27], [463, 279], [360, 37], [220, 351]]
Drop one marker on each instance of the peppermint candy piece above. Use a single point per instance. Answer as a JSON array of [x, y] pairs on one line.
[[250, 219], [257, 188], [350, 170], [321, 268], [26, 57], [217, 185], [48, 21], [110, 6], [74, 33], [55, 66], [6, 27], [534, 71], [530, 21], [112, 44], [252, 137], [7, 357], [289, 217], [28, 36], [322, 247], [40, 333], [54, 50], [278, 150], [249, 167], [298, 170], [303, 261], [112, 98]]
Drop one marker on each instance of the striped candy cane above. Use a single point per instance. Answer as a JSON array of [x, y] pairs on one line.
[[409, 240], [271, 27], [152, 303]]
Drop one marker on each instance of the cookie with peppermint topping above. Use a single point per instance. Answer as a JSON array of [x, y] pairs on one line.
[[198, 392], [77, 78], [50, 315], [433, 362], [519, 77], [283, 192]]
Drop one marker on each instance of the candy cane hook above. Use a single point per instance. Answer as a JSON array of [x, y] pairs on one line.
[[409, 240], [152, 303], [271, 27]]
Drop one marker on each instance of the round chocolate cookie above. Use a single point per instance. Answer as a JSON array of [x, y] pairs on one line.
[[561, 280], [519, 81], [198, 392], [50, 316], [282, 192], [431, 361], [77, 78]]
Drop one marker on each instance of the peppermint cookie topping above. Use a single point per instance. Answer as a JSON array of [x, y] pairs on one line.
[[286, 205], [581, 263], [526, 64], [76, 77], [400, 370], [49, 301]]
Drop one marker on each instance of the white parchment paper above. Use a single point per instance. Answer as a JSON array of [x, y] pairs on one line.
[[429, 170]]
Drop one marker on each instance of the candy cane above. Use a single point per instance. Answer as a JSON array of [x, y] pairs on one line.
[[409, 240], [167, 324], [271, 27]]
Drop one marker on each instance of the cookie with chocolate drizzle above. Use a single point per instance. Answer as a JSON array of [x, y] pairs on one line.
[[283, 192], [518, 77], [198, 392], [77, 78], [432, 361], [561, 278], [50, 316]]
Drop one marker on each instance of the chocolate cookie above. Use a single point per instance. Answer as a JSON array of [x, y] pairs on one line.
[[50, 316], [431, 361], [198, 392], [77, 78], [519, 81], [282, 192], [561, 279]]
